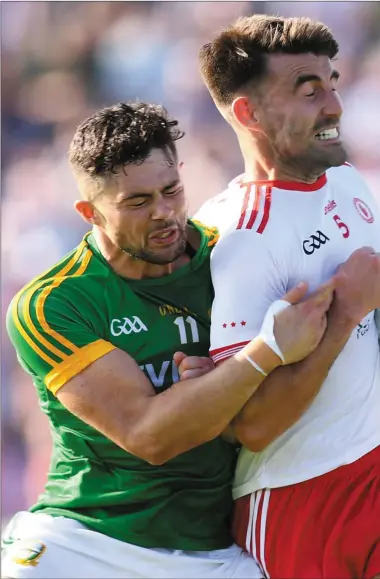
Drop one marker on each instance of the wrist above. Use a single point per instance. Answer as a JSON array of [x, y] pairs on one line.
[[258, 351], [344, 320]]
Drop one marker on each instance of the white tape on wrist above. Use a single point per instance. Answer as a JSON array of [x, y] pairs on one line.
[[267, 328], [253, 363]]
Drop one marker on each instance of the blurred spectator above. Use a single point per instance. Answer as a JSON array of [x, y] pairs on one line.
[[61, 60]]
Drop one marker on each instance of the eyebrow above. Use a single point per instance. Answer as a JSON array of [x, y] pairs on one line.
[[303, 78], [147, 195]]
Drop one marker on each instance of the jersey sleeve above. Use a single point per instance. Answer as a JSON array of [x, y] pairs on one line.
[[246, 279], [52, 340]]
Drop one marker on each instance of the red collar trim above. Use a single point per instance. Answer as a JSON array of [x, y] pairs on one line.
[[291, 185]]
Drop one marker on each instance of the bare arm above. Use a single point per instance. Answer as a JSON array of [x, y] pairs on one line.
[[287, 393], [115, 397], [284, 395]]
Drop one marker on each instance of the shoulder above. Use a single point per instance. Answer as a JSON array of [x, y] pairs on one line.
[[351, 184], [346, 174], [55, 291], [224, 209], [207, 211]]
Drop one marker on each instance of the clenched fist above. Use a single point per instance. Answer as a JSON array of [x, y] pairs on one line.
[[357, 285]]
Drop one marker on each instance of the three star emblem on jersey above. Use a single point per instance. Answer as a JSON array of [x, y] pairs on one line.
[[127, 326], [234, 324], [363, 210], [314, 242]]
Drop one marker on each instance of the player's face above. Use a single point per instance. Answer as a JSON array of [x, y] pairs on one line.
[[299, 101], [145, 210]]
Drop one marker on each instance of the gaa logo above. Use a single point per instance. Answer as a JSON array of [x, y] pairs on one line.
[[363, 210], [314, 242], [127, 326]]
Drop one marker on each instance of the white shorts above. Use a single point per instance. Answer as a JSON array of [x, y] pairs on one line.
[[39, 546]]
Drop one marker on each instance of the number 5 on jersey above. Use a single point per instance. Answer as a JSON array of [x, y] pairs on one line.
[[184, 331], [342, 226]]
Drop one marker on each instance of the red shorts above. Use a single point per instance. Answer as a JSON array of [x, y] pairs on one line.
[[326, 527]]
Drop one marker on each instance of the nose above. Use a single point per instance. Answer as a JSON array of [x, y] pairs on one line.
[[333, 104], [162, 208]]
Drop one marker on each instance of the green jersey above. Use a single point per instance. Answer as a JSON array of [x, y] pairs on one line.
[[65, 320]]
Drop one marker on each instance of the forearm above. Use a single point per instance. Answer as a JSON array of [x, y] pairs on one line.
[[285, 395], [197, 410]]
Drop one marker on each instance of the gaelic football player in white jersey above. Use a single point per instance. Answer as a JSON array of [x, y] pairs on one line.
[[308, 502]]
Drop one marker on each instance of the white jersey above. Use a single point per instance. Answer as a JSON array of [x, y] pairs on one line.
[[272, 236]]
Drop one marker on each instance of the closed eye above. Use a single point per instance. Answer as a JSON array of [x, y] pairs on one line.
[[175, 191], [139, 203]]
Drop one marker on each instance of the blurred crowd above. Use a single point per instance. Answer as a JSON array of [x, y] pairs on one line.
[[61, 61]]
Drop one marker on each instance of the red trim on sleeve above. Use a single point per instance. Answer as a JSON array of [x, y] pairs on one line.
[[220, 354]]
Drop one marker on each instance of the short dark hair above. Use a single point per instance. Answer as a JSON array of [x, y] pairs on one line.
[[120, 135], [238, 55]]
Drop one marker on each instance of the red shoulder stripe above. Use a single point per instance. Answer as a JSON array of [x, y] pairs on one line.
[[244, 206], [256, 206], [268, 201]]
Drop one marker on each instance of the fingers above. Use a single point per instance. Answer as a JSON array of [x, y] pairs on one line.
[[195, 362], [196, 373], [328, 285], [178, 358], [366, 250], [322, 297], [297, 293], [192, 366]]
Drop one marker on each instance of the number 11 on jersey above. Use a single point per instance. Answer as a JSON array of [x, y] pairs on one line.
[[183, 330]]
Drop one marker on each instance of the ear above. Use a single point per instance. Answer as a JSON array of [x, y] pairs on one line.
[[87, 211], [244, 112]]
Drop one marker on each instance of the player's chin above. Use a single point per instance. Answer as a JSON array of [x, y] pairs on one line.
[[165, 255], [336, 151], [334, 155]]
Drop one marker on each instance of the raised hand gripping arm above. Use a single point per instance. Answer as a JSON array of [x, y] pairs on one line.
[[240, 291]]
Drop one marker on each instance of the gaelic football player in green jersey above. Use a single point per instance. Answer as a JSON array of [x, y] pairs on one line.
[[140, 479]]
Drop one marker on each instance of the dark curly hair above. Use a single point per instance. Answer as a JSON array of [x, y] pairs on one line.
[[120, 135], [237, 56]]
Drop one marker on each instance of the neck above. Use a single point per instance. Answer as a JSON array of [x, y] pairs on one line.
[[130, 267], [260, 165]]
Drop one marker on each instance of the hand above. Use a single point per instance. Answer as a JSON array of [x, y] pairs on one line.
[[357, 282], [192, 366], [299, 328]]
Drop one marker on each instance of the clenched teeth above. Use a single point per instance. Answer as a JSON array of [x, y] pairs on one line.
[[164, 235], [328, 134]]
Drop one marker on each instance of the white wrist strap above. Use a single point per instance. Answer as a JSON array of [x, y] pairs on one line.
[[267, 328], [256, 366]]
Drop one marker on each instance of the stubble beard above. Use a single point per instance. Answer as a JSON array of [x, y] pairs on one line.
[[313, 162], [158, 258]]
